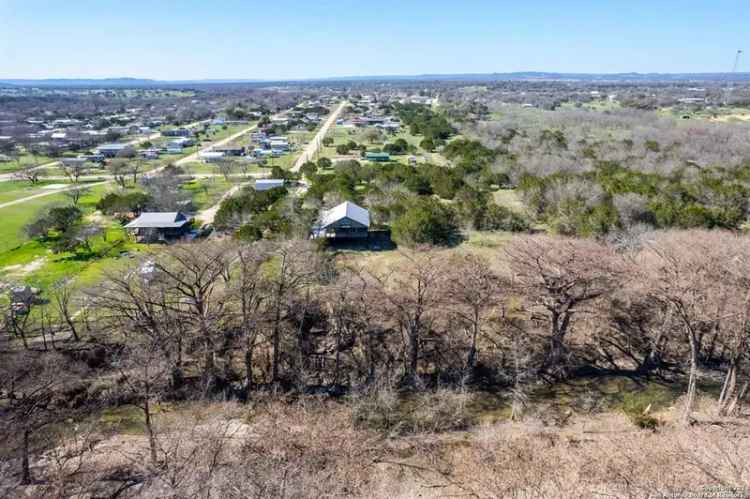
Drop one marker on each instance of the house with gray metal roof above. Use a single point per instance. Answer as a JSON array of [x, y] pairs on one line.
[[153, 227], [345, 221]]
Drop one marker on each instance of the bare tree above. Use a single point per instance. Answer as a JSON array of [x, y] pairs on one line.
[[296, 266], [412, 295], [473, 291], [76, 193], [251, 294], [689, 272], [144, 374], [29, 383], [30, 173], [63, 300], [226, 167], [118, 168], [194, 273], [558, 277]]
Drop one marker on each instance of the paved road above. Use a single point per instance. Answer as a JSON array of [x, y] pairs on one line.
[[312, 147]]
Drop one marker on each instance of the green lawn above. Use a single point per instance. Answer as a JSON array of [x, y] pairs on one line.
[[33, 262], [206, 192], [11, 191], [15, 217], [23, 161]]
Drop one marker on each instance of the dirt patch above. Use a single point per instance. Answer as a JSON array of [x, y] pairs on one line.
[[24, 269]]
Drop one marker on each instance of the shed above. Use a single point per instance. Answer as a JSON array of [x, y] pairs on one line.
[[378, 157]]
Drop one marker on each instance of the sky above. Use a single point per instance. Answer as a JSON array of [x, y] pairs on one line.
[[285, 39]]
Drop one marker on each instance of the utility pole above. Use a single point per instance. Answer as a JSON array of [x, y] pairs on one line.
[[728, 93]]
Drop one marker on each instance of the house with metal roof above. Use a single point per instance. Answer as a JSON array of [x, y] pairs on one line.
[[153, 227], [345, 221], [264, 184], [111, 150], [378, 157]]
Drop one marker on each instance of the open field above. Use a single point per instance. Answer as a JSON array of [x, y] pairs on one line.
[[23, 161]]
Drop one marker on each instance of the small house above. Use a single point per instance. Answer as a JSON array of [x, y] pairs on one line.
[[177, 132], [74, 162], [345, 221], [264, 184], [211, 156], [152, 227], [111, 150], [232, 151]]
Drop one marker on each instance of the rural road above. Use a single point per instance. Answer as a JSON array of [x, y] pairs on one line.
[[312, 147], [207, 216], [196, 155], [51, 192], [140, 140], [186, 159]]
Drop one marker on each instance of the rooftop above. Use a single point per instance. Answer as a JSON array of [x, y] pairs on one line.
[[346, 209], [158, 220]]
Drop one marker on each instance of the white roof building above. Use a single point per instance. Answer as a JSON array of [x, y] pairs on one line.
[[345, 221], [264, 184]]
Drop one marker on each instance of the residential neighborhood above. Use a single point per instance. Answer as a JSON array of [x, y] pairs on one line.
[[430, 284]]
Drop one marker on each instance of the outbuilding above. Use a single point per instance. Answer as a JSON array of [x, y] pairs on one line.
[[378, 157]]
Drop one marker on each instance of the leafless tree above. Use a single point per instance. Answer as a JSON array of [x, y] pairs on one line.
[[118, 168], [30, 173], [197, 275], [296, 265], [251, 293], [690, 273], [76, 193], [63, 300], [29, 385], [558, 277], [411, 296], [472, 290]]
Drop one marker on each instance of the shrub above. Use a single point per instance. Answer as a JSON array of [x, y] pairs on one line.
[[637, 409], [498, 217], [387, 412]]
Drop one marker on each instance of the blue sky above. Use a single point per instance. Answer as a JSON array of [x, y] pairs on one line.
[[196, 39]]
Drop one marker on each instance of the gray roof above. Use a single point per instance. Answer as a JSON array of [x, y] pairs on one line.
[[113, 146], [158, 220], [263, 184], [345, 210]]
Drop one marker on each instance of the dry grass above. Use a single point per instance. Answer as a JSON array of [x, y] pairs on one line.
[[311, 448]]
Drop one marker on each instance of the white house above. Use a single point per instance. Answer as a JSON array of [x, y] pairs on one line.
[[211, 156], [264, 184]]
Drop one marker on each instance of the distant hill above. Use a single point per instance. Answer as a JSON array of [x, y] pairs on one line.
[[547, 76], [468, 77], [76, 82]]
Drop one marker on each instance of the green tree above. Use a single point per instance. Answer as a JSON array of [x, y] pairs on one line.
[[426, 221]]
